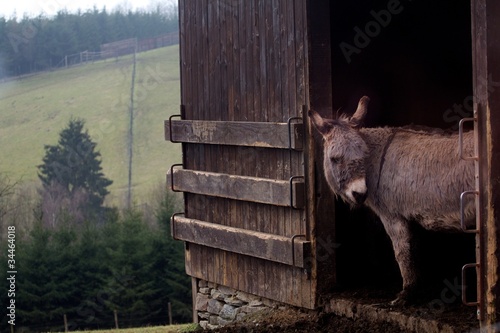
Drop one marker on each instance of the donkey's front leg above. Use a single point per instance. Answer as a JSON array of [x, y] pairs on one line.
[[399, 233]]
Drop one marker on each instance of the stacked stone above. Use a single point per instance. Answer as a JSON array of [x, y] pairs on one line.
[[218, 305]]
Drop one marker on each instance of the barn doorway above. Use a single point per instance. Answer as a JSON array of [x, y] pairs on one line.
[[414, 60]]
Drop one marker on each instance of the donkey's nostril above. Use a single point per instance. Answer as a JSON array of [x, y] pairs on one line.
[[356, 191], [359, 197]]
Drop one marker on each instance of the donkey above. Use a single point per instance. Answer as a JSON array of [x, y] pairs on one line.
[[404, 175]]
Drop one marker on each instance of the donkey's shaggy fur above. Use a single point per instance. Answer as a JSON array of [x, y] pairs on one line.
[[402, 174]]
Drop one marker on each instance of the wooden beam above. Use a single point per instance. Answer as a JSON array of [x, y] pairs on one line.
[[252, 243], [236, 133], [194, 293], [486, 66], [320, 199], [261, 190]]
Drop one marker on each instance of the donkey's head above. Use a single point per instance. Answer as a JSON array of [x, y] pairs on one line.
[[344, 153]]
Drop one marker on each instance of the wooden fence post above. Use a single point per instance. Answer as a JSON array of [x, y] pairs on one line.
[[65, 323], [116, 319], [169, 313]]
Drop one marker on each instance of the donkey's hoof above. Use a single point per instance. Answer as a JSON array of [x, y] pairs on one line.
[[404, 298], [399, 302]]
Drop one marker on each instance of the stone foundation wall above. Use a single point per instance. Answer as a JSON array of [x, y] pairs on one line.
[[217, 305]]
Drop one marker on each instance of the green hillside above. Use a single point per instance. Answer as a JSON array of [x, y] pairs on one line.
[[35, 109]]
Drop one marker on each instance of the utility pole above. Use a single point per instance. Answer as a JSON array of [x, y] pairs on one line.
[[131, 133]]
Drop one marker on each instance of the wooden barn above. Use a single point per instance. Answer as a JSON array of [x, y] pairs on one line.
[[258, 215]]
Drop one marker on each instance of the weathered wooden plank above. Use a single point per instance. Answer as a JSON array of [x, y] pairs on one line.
[[264, 81], [254, 189], [194, 288], [235, 133], [289, 284], [241, 271], [486, 65], [321, 199], [247, 242]]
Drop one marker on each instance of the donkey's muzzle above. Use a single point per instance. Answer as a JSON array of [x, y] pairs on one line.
[[356, 191]]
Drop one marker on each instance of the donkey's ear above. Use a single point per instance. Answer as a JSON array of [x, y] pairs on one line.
[[321, 125], [357, 118]]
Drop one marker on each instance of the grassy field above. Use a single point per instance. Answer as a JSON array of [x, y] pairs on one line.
[[35, 109]]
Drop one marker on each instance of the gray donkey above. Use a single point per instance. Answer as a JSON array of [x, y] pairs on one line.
[[404, 175]]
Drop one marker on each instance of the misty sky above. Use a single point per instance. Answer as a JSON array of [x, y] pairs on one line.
[[51, 7]]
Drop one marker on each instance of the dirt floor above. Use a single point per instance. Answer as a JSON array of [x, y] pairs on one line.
[[353, 314], [293, 320]]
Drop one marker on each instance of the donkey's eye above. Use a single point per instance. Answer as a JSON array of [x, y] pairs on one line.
[[336, 159]]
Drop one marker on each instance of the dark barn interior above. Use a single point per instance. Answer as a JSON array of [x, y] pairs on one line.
[[414, 60]]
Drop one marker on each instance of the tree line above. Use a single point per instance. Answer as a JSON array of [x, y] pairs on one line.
[[88, 271], [38, 43], [81, 259]]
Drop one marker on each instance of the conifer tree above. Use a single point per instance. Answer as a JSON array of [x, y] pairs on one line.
[[132, 291], [48, 286], [93, 270], [37, 290], [75, 165]]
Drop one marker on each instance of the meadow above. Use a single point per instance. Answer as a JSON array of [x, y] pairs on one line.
[[35, 109]]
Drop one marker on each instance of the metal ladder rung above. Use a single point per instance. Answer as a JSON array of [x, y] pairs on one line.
[[464, 284], [477, 229], [462, 212]]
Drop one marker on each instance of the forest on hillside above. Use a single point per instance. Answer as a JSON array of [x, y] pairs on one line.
[[67, 257], [30, 44], [127, 263]]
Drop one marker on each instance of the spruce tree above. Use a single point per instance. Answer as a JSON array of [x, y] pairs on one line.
[[48, 285], [131, 287], [75, 165], [94, 268], [37, 290], [168, 264]]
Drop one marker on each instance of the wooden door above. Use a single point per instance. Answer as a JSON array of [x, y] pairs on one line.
[[246, 165]]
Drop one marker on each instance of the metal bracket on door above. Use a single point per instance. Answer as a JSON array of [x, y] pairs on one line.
[[291, 190], [172, 177], [289, 124], [172, 225], [292, 239], [464, 284], [461, 137], [170, 127], [462, 213]]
